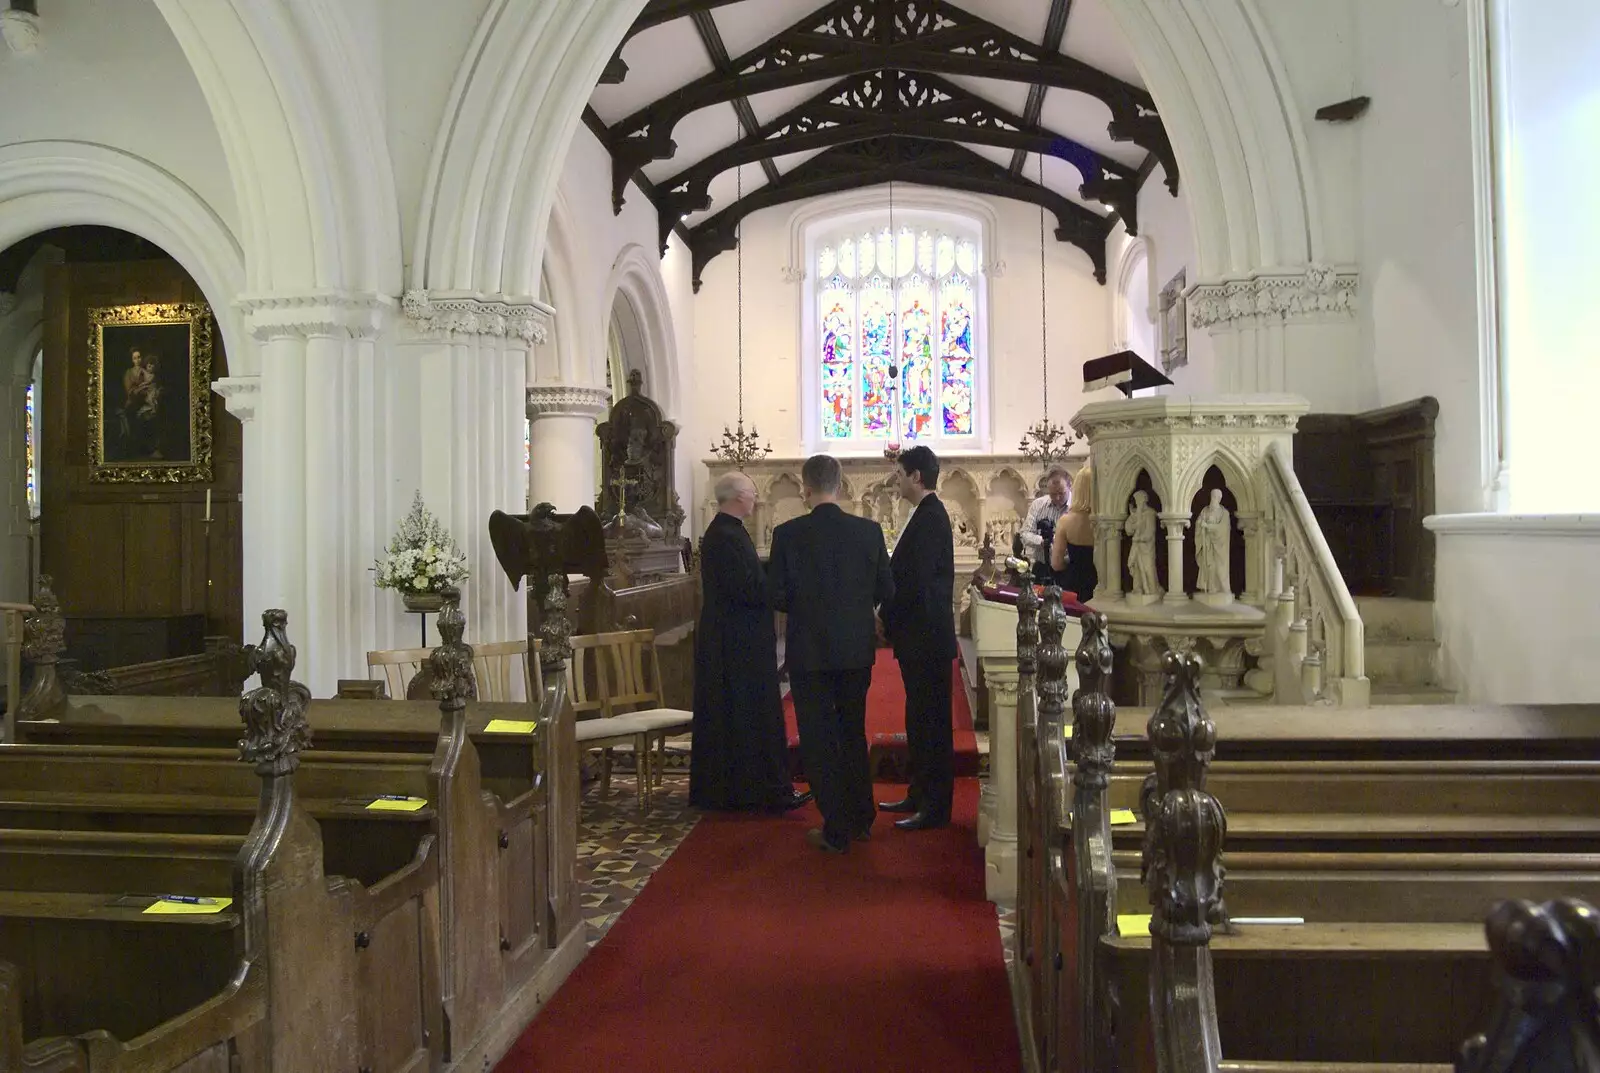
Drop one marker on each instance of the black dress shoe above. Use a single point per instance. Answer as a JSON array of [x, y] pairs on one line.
[[792, 802], [922, 821], [905, 804], [820, 840]]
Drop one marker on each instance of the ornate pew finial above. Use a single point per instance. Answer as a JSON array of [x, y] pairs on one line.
[[1184, 825], [1052, 660], [1027, 630], [450, 664], [44, 634], [274, 713], [555, 629], [1547, 972], [1094, 716]]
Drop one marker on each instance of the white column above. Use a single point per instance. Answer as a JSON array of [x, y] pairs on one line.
[[562, 437], [242, 396], [1000, 847], [1175, 524]]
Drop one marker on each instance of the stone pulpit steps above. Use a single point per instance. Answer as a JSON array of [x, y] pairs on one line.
[[1402, 651]]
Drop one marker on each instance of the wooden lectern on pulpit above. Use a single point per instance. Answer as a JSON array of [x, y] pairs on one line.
[[1124, 370]]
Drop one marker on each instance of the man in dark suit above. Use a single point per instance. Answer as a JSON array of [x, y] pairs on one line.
[[827, 570], [919, 622]]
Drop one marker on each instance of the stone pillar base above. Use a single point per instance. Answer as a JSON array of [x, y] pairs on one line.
[[1000, 870]]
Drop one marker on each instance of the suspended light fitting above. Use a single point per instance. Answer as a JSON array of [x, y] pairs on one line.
[[1045, 442], [737, 447]]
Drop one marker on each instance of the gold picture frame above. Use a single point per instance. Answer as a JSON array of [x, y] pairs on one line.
[[150, 393]]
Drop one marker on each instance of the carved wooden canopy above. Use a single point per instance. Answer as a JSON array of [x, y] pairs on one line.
[[886, 110]]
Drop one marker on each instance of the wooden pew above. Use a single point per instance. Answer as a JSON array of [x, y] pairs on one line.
[[507, 834], [1077, 904], [273, 982], [1547, 956]]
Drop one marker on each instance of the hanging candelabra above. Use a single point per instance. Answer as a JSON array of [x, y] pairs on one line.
[[738, 448], [1045, 441]]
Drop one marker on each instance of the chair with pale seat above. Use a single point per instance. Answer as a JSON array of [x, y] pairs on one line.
[[598, 728], [631, 682], [494, 665]]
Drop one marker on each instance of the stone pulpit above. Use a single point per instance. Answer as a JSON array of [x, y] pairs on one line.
[[1196, 510], [638, 502]]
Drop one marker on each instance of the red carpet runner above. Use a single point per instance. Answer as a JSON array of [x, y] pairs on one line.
[[886, 722], [751, 952]]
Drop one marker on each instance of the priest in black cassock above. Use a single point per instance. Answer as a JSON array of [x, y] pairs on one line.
[[739, 757]]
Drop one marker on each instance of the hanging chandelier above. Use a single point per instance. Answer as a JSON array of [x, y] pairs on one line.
[[738, 448], [1045, 441]]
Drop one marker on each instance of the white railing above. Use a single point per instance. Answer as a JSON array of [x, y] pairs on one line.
[[1317, 636]]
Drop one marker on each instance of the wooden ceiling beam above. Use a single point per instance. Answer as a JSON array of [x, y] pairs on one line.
[[711, 37], [855, 37], [893, 104], [906, 160], [1055, 31]]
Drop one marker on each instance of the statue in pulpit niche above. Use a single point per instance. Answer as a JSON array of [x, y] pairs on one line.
[[1211, 546], [1141, 526]]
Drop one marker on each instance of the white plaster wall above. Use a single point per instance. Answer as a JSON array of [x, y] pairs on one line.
[[1418, 302], [1168, 233], [1079, 329], [1516, 609], [110, 72]]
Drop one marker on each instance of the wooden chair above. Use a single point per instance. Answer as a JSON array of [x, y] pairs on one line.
[[598, 728], [493, 665], [631, 682], [12, 617]]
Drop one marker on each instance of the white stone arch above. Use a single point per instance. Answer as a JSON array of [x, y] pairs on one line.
[[302, 127], [1136, 264], [49, 184], [568, 350], [518, 97], [646, 323], [522, 86], [1239, 474], [1236, 131], [1119, 483]]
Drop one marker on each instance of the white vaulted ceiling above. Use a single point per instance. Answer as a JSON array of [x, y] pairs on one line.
[[666, 57]]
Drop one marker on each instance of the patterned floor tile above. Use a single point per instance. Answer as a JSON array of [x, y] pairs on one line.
[[619, 847]]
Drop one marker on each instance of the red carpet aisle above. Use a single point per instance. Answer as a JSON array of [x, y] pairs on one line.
[[886, 721], [751, 952]]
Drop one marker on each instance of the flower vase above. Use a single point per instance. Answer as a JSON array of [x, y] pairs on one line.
[[423, 602]]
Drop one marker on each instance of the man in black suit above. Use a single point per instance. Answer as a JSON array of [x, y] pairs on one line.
[[827, 570], [919, 622]]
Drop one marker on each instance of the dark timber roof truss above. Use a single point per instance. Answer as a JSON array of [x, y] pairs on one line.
[[888, 114]]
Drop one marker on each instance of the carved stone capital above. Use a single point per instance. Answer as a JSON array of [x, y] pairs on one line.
[[1315, 291], [315, 314], [565, 400], [21, 30], [450, 314], [240, 394]]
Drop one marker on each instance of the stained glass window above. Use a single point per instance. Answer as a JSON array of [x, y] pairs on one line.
[[897, 335], [29, 424], [838, 359]]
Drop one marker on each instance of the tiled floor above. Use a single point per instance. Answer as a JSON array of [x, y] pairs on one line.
[[619, 849]]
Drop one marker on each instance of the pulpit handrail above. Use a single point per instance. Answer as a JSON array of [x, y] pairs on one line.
[[1343, 633]]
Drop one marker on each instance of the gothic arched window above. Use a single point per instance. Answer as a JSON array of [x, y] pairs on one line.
[[895, 352]]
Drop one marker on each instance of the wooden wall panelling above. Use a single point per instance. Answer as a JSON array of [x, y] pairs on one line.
[[131, 550]]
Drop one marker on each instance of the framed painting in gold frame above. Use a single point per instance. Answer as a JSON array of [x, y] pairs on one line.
[[150, 393]]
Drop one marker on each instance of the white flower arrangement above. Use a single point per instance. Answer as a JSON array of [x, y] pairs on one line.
[[422, 557]]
